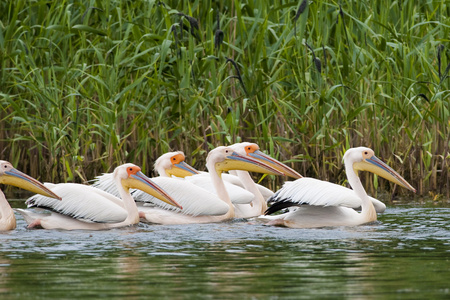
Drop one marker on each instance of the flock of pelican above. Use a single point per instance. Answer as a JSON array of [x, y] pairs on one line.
[[183, 195]]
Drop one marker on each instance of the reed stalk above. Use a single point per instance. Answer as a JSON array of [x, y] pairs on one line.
[[88, 85]]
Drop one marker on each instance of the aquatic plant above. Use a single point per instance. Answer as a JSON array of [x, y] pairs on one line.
[[88, 85]]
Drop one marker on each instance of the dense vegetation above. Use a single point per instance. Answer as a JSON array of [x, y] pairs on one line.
[[87, 85]]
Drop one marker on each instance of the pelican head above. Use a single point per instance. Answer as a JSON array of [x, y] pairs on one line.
[[132, 178], [364, 159], [10, 175], [224, 159], [172, 163], [252, 150]]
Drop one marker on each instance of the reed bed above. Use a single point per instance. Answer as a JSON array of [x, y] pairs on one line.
[[88, 85]]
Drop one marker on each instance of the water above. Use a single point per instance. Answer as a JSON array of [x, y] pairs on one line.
[[404, 255]]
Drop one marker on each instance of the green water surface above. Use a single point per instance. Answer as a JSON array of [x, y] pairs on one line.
[[404, 255]]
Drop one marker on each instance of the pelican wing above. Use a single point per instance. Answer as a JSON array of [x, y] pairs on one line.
[[105, 182], [316, 192], [237, 194], [82, 202]]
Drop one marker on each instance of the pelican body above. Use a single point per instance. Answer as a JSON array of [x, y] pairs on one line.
[[10, 175], [219, 160], [314, 191], [316, 211], [86, 207]]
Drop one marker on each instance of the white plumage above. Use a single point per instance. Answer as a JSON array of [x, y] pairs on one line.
[[318, 209], [194, 200], [86, 207], [219, 160], [237, 194], [10, 175], [82, 202], [258, 204], [321, 193], [233, 178]]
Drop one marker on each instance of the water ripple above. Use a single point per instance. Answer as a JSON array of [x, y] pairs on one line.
[[242, 258]]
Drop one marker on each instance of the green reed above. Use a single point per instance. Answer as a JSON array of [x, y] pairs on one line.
[[87, 85]]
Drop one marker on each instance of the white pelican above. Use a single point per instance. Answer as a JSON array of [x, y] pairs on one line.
[[259, 204], [194, 200], [10, 175], [329, 192], [220, 159], [86, 207], [317, 209]]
